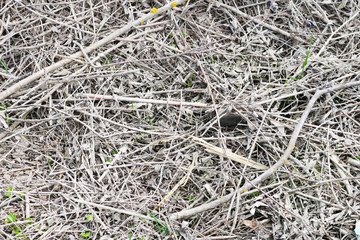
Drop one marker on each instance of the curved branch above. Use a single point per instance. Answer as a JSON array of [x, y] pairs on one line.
[[283, 159]]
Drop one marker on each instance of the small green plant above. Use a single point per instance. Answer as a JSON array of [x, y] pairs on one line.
[[190, 79], [149, 120], [89, 218], [130, 232], [339, 98], [85, 234], [358, 158], [108, 159], [306, 59], [2, 63], [133, 112], [3, 107], [8, 194], [16, 227], [254, 194], [21, 196], [107, 61], [191, 198], [158, 224]]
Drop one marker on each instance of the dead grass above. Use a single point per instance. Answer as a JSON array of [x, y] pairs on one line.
[[126, 129]]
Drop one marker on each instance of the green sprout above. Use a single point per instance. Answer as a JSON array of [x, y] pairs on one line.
[[190, 79], [159, 225], [85, 234], [89, 218], [108, 60], [133, 112], [306, 59], [339, 98], [8, 194], [3, 107], [149, 120], [2, 63], [16, 228], [130, 232], [254, 195]]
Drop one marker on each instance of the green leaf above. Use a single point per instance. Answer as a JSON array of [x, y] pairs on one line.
[[2, 63], [162, 227], [85, 234], [149, 120], [254, 194], [12, 217], [8, 194], [29, 219], [109, 59], [89, 217]]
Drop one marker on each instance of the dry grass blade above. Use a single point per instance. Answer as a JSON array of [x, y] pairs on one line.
[[229, 154]]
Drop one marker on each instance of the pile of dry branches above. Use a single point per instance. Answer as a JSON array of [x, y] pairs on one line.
[[110, 119]]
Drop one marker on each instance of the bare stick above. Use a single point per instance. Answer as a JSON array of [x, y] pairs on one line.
[[271, 170], [121, 211], [143, 100], [102, 42]]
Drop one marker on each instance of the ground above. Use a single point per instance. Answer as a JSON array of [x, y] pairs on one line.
[[112, 119]]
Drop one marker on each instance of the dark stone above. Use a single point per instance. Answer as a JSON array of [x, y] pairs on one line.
[[230, 120]]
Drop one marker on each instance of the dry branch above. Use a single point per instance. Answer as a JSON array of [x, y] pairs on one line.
[[16, 87], [284, 158], [142, 100]]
